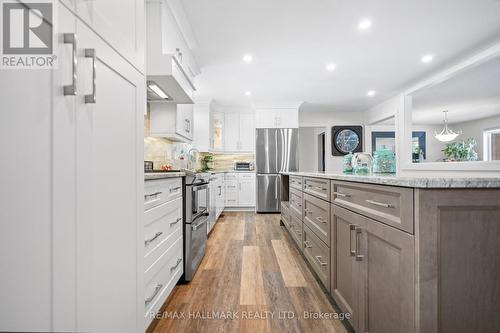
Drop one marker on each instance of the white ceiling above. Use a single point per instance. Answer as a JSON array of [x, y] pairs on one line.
[[293, 40]]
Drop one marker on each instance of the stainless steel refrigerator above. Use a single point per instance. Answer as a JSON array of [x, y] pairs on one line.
[[276, 151]]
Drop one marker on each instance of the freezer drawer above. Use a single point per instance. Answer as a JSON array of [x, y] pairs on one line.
[[268, 193]]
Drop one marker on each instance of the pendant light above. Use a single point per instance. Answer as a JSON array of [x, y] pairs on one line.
[[446, 135]]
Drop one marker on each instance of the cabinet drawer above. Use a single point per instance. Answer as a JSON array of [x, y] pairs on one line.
[[246, 176], [164, 227], [285, 214], [317, 216], [317, 187], [296, 182], [387, 204], [159, 286], [159, 191], [296, 202], [318, 255], [296, 229], [231, 176], [231, 185]]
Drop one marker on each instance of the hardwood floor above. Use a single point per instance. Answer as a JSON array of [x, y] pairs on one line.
[[254, 279]]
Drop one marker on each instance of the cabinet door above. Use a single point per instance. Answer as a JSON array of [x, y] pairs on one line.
[[231, 131], [120, 23], [201, 133], [247, 132], [265, 118], [110, 200], [246, 191], [184, 122], [217, 130], [344, 268], [386, 278]]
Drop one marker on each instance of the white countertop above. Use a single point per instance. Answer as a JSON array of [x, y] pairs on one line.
[[415, 182], [162, 175]]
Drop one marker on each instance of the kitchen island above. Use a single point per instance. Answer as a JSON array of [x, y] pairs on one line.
[[401, 254]]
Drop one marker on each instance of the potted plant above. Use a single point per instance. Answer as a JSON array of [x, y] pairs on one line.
[[207, 162], [461, 150]]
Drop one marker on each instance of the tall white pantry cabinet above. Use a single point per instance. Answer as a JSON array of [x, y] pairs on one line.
[[71, 243]]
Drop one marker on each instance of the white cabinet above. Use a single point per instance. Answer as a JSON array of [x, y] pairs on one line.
[[172, 121], [240, 189], [121, 23], [277, 118], [77, 220], [201, 135], [233, 132], [163, 242]]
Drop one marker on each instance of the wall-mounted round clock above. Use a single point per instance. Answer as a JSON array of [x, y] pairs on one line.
[[346, 139]]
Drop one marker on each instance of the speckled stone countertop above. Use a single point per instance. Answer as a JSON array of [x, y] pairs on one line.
[[162, 175], [232, 171], [415, 182]]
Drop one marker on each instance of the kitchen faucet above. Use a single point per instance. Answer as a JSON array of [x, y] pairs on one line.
[[190, 156]]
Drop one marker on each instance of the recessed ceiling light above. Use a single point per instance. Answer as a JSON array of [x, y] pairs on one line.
[[371, 93], [248, 93], [427, 58], [330, 67], [247, 58], [365, 24]]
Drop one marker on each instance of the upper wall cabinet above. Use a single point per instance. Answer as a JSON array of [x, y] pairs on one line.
[[171, 121], [170, 64], [277, 117], [232, 132], [119, 22]]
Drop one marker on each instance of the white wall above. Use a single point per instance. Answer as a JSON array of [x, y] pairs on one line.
[[474, 129], [308, 147], [326, 117]]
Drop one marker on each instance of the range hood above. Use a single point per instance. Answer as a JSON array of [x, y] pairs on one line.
[[167, 80]]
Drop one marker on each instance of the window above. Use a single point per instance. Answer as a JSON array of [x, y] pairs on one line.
[[492, 144]]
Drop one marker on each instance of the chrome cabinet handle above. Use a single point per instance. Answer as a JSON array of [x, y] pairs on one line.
[[320, 262], [147, 241], [152, 297], [343, 195], [175, 222], [359, 256], [176, 264], [320, 219], [352, 227], [380, 204], [70, 38], [307, 244], [90, 53], [320, 188], [175, 189], [152, 194]]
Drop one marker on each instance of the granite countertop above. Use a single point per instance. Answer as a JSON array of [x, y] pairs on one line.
[[162, 175], [232, 171], [414, 182]]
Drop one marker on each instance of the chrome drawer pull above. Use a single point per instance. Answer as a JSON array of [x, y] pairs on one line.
[[176, 221], [320, 188], [380, 204], [339, 194], [175, 189], [152, 194], [152, 297], [90, 53], [70, 38], [320, 262], [176, 264], [307, 244], [359, 256], [147, 241], [352, 227], [320, 219]]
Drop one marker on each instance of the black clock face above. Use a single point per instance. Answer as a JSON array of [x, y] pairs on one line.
[[346, 139]]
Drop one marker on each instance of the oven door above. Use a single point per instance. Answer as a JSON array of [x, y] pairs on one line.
[[198, 201], [195, 245]]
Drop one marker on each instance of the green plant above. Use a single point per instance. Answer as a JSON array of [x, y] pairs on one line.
[[206, 162], [461, 150]]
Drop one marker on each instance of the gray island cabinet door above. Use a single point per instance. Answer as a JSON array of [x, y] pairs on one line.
[[386, 275], [344, 286]]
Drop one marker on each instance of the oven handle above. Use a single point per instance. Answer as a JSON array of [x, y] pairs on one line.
[[199, 187], [194, 226]]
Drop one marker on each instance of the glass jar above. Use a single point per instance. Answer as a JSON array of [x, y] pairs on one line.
[[362, 163], [384, 161], [347, 164]]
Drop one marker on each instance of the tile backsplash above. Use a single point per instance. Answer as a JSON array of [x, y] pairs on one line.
[[165, 152], [223, 162]]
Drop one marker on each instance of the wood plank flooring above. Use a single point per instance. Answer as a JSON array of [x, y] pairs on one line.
[[252, 279]]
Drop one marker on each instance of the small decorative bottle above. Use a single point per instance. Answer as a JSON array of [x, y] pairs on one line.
[[347, 164]]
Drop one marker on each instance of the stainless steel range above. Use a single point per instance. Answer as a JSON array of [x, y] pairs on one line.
[[196, 212]]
